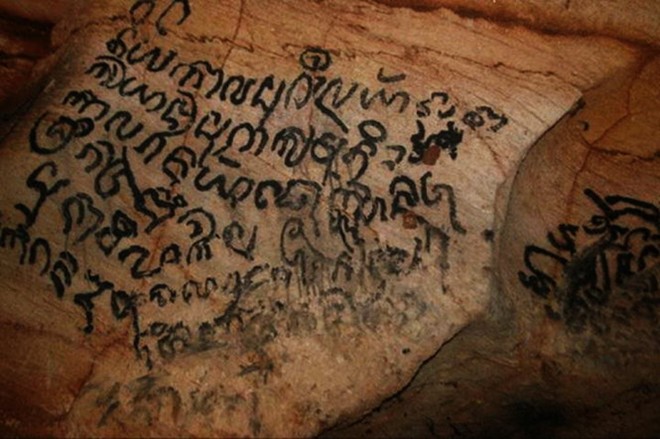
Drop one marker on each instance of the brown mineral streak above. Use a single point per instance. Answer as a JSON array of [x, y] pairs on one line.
[[282, 296]]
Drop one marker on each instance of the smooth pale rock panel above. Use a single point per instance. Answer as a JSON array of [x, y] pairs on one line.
[[258, 218]]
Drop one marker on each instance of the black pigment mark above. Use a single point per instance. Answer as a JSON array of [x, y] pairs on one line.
[[382, 77], [315, 59], [612, 279], [44, 180]]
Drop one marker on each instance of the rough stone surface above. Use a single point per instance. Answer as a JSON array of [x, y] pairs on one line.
[[569, 346], [262, 218]]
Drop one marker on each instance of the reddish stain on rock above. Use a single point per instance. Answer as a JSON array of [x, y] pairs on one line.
[[409, 220], [431, 155]]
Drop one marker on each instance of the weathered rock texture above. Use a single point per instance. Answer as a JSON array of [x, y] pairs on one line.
[[570, 344], [262, 218]]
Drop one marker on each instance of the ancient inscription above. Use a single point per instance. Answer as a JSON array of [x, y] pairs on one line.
[[602, 272], [232, 213]]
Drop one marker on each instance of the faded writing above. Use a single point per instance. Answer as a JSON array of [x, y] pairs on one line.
[[608, 266]]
